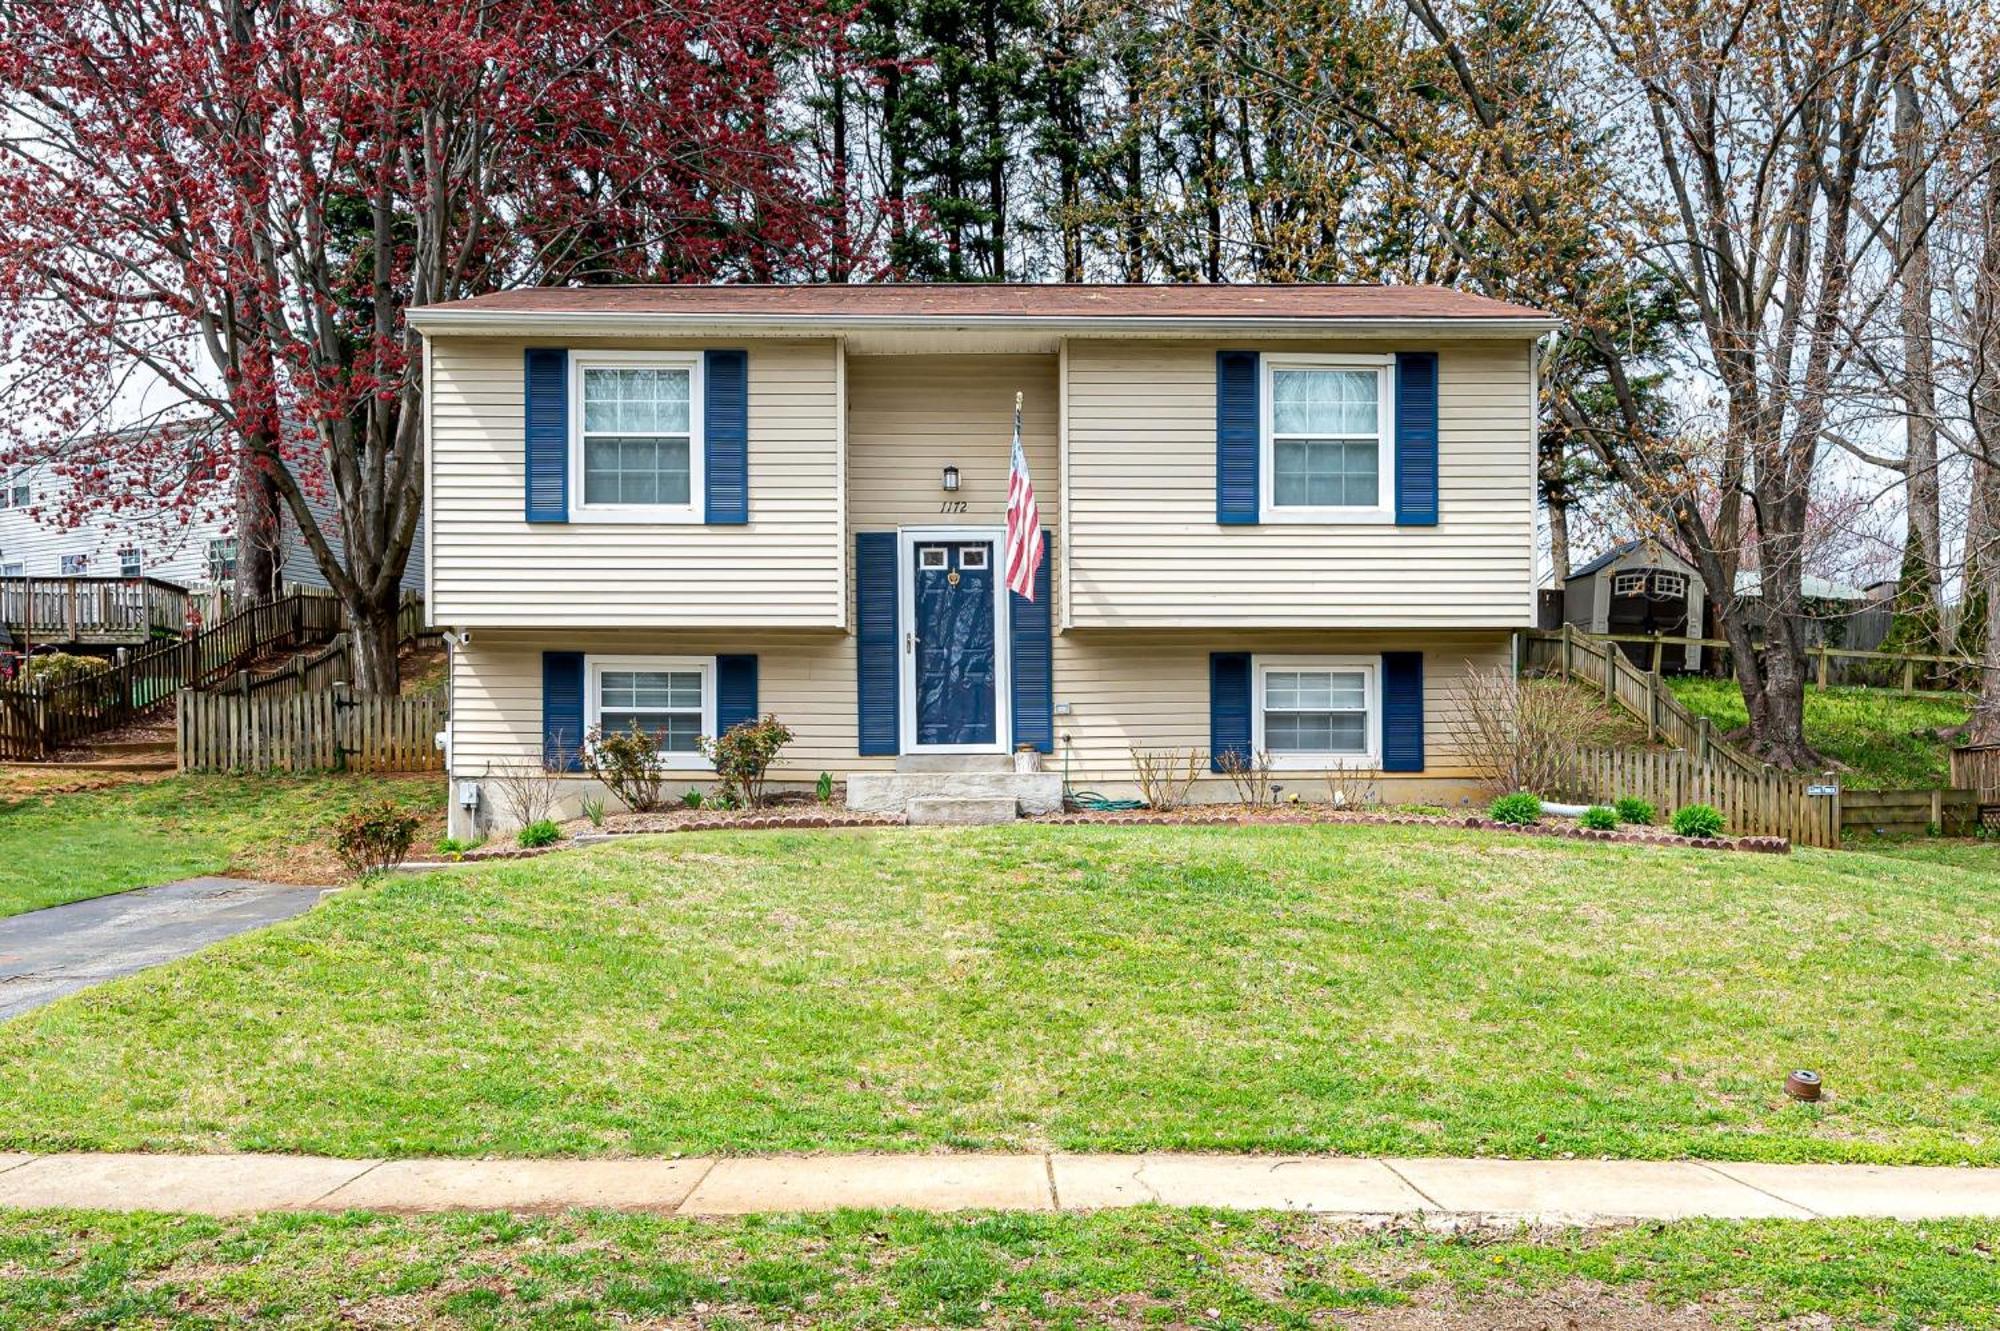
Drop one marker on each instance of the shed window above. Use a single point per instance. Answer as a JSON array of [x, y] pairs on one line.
[[1670, 586], [1629, 584]]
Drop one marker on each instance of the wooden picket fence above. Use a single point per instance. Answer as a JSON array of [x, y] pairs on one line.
[[38, 718], [1764, 803], [318, 730]]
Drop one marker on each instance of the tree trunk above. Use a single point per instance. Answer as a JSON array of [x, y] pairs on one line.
[[1559, 540], [260, 564], [1921, 605], [371, 627], [1983, 543]]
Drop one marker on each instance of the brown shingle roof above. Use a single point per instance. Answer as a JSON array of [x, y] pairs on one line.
[[1025, 301]]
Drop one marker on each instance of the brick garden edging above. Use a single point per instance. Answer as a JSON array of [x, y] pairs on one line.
[[1196, 817]]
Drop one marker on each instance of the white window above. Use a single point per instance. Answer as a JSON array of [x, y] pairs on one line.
[[972, 556], [74, 566], [636, 446], [22, 496], [935, 556], [1317, 711], [1327, 440], [1670, 586], [669, 697], [222, 559], [13, 568], [1629, 584], [131, 564]]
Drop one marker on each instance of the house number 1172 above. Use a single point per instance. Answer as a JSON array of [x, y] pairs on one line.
[[951, 506]]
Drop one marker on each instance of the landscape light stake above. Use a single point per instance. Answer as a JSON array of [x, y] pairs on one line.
[[1802, 1085]]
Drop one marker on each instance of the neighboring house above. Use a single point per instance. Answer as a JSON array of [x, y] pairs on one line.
[[1281, 519], [1644, 588], [195, 553]]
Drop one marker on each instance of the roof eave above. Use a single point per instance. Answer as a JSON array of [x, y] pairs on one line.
[[627, 323]]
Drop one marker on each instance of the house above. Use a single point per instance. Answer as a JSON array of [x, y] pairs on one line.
[[1279, 519], [1639, 587], [194, 551]]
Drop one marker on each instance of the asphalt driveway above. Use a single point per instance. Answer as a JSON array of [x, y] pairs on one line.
[[45, 954]]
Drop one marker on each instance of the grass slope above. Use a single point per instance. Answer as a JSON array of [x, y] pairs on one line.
[[66, 847], [1365, 990], [885, 1270], [1883, 739]]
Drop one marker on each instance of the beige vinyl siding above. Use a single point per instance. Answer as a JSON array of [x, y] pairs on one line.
[[491, 567], [1149, 690], [908, 417], [1146, 690], [1148, 553]]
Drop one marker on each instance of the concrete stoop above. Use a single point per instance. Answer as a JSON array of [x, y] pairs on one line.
[[944, 798]]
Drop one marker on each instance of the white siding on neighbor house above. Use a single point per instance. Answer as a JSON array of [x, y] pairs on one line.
[[170, 550], [1147, 552], [1146, 690], [493, 568]]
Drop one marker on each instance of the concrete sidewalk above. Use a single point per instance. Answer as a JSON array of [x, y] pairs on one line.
[[1584, 1192]]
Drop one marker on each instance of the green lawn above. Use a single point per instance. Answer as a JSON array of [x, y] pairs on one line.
[[1140, 1267], [1883, 739], [1351, 989], [65, 847]]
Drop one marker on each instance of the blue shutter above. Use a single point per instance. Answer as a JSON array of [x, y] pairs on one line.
[[1029, 655], [546, 421], [1416, 439], [1402, 711], [735, 691], [726, 436], [1237, 424], [562, 710], [876, 647], [1228, 706]]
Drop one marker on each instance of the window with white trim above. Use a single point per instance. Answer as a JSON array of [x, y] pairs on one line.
[[1317, 711], [670, 698], [1629, 584], [635, 447], [1670, 586], [23, 496], [1326, 450], [13, 568], [222, 559], [74, 566], [131, 564]]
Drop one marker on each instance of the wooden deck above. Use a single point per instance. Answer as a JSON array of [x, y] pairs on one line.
[[91, 612]]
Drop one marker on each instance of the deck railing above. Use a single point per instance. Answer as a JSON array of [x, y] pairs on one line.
[[92, 611]]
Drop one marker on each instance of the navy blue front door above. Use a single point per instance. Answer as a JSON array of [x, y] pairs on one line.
[[956, 668]]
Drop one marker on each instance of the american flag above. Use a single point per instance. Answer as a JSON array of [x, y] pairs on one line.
[[1024, 519]]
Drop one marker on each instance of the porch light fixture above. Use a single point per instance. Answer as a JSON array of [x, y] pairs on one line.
[[951, 480]]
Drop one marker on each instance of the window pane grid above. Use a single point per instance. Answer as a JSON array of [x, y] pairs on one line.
[[663, 703], [1315, 711], [1326, 436], [637, 435]]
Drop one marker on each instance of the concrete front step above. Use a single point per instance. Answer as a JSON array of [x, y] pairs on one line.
[[960, 811], [895, 792]]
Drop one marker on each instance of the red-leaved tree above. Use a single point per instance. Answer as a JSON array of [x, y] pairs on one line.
[[241, 198]]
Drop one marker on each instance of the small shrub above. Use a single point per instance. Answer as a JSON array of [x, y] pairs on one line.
[[536, 835], [1598, 818], [452, 848], [691, 798], [1166, 775], [1250, 773], [1638, 812], [627, 762], [593, 809], [723, 798], [823, 788], [1520, 809], [374, 839], [62, 667], [743, 755], [1352, 788], [1698, 820]]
